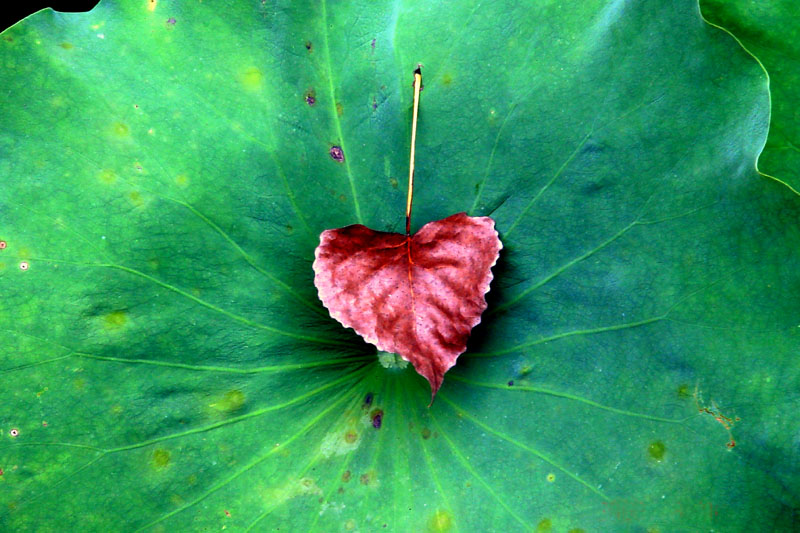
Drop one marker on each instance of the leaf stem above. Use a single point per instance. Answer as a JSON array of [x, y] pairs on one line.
[[417, 88]]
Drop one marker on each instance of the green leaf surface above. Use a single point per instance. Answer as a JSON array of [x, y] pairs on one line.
[[167, 366], [771, 31]]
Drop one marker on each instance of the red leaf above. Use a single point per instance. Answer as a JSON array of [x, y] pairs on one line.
[[418, 296]]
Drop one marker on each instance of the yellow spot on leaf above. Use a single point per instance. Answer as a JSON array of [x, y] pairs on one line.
[[136, 198], [120, 130], [108, 176], [656, 450], [447, 79], [115, 319], [151, 5], [441, 521], [161, 458], [551, 477], [544, 526], [231, 401], [182, 180], [67, 46], [252, 79]]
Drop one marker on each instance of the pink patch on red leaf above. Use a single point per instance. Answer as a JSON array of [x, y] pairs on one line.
[[417, 296]]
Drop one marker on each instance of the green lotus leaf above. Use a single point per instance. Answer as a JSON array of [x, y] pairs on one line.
[[166, 169]]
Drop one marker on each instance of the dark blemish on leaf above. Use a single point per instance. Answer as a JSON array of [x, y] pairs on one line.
[[320, 500], [350, 436], [591, 147], [44, 423], [310, 96], [8, 38], [373, 45], [656, 450], [346, 476], [341, 490], [367, 478], [374, 104], [171, 21], [551, 478], [337, 154], [339, 109], [368, 399], [14, 432], [377, 418], [308, 46], [227, 513], [3, 245], [67, 46], [24, 265], [161, 458], [289, 229], [426, 433], [577, 530], [342, 198], [683, 391], [511, 383], [1, 472], [593, 187]]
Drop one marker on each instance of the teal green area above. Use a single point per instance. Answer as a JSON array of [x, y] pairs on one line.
[[165, 173]]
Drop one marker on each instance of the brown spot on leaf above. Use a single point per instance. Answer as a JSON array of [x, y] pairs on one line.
[[337, 154], [377, 418], [426, 433], [309, 46], [346, 476], [350, 436], [310, 97], [339, 109]]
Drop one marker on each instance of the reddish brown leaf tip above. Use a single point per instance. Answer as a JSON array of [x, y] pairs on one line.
[[417, 296]]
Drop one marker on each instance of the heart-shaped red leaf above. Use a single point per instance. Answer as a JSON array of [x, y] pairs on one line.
[[418, 296]]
